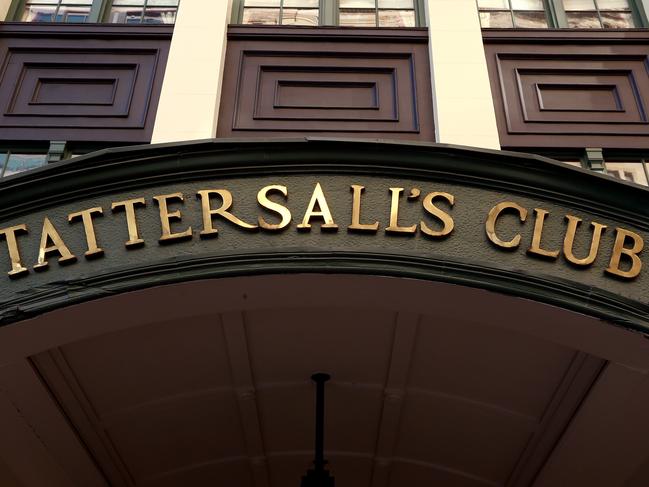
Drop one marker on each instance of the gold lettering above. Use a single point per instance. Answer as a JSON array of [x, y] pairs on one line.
[[318, 200], [134, 239], [569, 241], [167, 216], [356, 212], [282, 211], [535, 248], [619, 250], [208, 212], [49, 234], [91, 239], [17, 268], [444, 217], [492, 219], [394, 214]]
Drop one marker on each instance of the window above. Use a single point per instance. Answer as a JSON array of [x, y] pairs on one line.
[[575, 14], [634, 172], [376, 13], [597, 14], [56, 11], [512, 13], [347, 13], [17, 162], [113, 11], [281, 12], [630, 166], [143, 11]]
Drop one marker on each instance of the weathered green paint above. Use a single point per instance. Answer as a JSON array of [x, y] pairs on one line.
[[478, 179]]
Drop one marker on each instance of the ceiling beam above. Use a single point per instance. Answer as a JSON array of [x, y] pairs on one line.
[[405, 335], [237, 348]]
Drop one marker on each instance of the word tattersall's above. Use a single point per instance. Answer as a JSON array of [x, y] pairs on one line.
[[625, 261]]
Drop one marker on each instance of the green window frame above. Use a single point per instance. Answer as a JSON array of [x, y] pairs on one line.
[[558, 18], [99, 9], [329, 12]]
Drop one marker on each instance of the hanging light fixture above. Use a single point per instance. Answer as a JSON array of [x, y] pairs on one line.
[[318, 476]]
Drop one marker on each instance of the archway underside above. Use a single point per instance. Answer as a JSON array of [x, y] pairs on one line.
[[207, 383]]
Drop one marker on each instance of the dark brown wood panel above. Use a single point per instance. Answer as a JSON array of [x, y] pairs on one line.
[[570, 88], [81, 82], [365, 82]]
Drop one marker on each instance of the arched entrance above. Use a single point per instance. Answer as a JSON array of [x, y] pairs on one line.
[[483, 320], [207, 383]]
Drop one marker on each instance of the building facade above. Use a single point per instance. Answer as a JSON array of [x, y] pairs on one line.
[[440, 203]]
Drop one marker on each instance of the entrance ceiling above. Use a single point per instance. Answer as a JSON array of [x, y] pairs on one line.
[[433, 385]]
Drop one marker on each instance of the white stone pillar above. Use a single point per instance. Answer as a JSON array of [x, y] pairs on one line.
[[464, 110], [4, 8], [191, 90]]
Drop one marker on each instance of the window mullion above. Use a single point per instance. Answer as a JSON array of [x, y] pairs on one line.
[[558, 14], [97, 10], [56, 11], [4, 163], [237, 12], [638, 13], [16, 10], [599, 14], [327, 12], [420, 13]]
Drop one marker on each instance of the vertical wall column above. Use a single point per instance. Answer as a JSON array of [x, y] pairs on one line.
[[4, 9], [464, 109], [191, 91]]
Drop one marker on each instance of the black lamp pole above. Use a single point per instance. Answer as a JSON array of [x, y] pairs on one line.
[[318, 476]]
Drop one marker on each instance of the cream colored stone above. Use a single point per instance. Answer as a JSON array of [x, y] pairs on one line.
[[464, 110], [189, 101]]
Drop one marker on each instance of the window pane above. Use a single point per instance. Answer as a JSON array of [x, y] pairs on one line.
[[528, 5], [162, 3], [301, 16], [496, 19], [583, 20], [38, 14], [130, 3], [627, 171], [126, 15], [302, 3], [160, 15], [579, 4], [261, 16], [531, 20], [497, 4], [358, 18], [72, 14], [396, 18], [357, 4], [617, 20], [41, 2], [262, 3], [398, 4], [572, 163], [24, 162], [613, 5]]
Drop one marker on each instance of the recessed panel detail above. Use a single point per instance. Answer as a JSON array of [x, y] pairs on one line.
[[373, 82], [584, 92]]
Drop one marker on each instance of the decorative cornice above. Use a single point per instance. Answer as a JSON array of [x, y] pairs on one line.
[[134, 167], [306, 34], [105, 30], [572, 36]]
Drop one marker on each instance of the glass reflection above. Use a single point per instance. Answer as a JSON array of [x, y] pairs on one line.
[[396, 18], [18, 163]]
